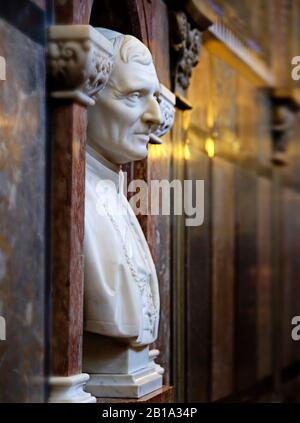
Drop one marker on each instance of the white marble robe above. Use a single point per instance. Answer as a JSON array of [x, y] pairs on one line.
[[121, 287]]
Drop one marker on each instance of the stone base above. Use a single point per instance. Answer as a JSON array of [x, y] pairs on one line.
[[118, 370], [102, 354], [133, 385], [161, 395], [69, 389]]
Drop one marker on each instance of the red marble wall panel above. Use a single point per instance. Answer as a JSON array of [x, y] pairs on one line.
[[72, 12], [69, 129], [68, 166]]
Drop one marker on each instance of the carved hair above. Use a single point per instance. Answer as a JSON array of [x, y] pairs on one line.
[[131, 49]]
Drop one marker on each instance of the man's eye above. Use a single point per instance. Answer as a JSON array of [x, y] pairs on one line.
[[134, 96]]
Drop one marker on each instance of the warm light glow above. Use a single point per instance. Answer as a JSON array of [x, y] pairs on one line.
[[160, 151], [154, 151], [186, 120], [236, 146], [210, 147], [178, 152], [210, 117], [187, 154]]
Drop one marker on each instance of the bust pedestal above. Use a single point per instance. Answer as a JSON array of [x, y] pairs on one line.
[[118, 370]]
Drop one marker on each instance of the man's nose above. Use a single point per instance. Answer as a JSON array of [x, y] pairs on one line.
[[153, 114]]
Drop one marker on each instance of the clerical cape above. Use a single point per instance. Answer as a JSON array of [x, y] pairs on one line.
[[121, 288]]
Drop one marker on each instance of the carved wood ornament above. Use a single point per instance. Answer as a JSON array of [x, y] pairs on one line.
[[284, 120], [185, 50]]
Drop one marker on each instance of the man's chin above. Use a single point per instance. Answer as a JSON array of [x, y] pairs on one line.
[[134, 154], [139, 155]]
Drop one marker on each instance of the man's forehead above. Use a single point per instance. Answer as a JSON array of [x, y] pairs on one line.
[[133, 75]]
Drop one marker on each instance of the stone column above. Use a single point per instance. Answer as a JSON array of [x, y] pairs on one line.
[[79, 63]]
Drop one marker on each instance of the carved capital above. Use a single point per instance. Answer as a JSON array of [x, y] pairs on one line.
[[80, 61], [185, 45], [284, 120], [167, 107]]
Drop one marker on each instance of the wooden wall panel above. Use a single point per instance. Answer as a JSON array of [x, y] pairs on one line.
[[296, 266], [198, 287], [264, 279], [291, 269], [247, 117], [246, 280], [198, 95], [223, 112], [286, 281], [198, 241], [223, 239]]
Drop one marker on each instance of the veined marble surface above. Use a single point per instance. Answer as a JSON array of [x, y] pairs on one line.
[[22, 215]]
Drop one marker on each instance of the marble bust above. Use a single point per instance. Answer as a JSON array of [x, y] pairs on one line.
[[121, 287], [121, 295]]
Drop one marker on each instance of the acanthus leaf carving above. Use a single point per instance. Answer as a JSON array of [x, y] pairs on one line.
[[185, 49], [283, 126], [79, 61]]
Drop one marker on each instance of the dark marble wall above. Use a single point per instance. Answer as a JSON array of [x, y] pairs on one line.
[[22, 205]]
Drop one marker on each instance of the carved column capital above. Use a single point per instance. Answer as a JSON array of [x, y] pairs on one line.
[[167, 107], [283, 125], [80, 61], [185, 44], [285, 107]]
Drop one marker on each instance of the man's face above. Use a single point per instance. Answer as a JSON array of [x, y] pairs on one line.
[[125, 113]]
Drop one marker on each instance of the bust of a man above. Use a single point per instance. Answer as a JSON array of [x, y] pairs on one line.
[[121, 288]]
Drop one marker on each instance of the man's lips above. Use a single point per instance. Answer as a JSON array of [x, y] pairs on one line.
[[143, 133], [146, 137]]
